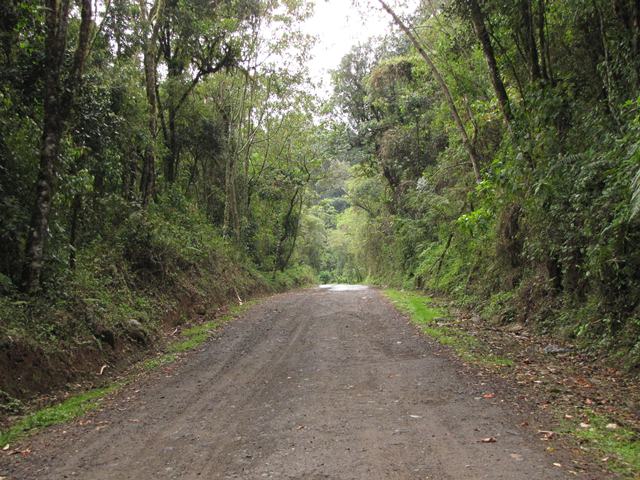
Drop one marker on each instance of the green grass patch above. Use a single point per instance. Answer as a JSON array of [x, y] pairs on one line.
[[429, 317], [70, 409], [620, 444], [157, 362], [195, 336]]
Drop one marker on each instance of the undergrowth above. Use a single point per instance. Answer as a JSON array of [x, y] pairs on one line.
[[123, 287]]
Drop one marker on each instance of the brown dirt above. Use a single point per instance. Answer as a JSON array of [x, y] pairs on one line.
[[307, 385]]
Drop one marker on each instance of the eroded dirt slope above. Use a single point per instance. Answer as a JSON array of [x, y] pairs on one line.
[[308, 385]]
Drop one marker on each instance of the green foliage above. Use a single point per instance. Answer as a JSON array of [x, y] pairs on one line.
[[225, 171], [293, 277]]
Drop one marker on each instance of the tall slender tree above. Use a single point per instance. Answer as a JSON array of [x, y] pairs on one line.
[[60, 86]]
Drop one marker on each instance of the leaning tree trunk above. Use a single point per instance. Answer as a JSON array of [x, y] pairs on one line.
[[468, 145], [58, 98]]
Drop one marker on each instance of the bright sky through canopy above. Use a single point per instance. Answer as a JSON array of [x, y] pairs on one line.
[[339, 25]]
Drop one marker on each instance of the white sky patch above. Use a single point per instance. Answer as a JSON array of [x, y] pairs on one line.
[[339, 25], [343, 287]]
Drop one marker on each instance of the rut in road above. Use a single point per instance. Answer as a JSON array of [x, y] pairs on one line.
[[308, 385]]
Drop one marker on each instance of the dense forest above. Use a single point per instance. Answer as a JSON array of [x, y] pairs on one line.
[[155, 158], [489, 151], [159, 156]]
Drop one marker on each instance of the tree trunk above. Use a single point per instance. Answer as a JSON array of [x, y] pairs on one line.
[[471, 151], [172, 155], [289, 228], [39, 225], [477, 18], [529, 37], [76, 207], [231, 225], [545, 61], [148, 179], [58, 99], [152, 21]]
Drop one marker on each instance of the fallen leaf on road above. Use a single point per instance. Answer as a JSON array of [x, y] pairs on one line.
[[489, 440], [557, 465], [546, 434], [415, 416], [489, 395], [517, 457]]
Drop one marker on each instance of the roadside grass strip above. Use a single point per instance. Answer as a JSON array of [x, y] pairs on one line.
[[195, 336], [71, 408], [432, 320], [618, 446], [77, 405]]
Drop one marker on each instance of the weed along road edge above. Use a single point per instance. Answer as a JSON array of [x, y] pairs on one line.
[[321, 383]]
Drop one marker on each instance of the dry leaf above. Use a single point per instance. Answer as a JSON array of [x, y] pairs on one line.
[[489, 440]]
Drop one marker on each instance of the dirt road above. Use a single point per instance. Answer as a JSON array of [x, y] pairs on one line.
[[317, 384]]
